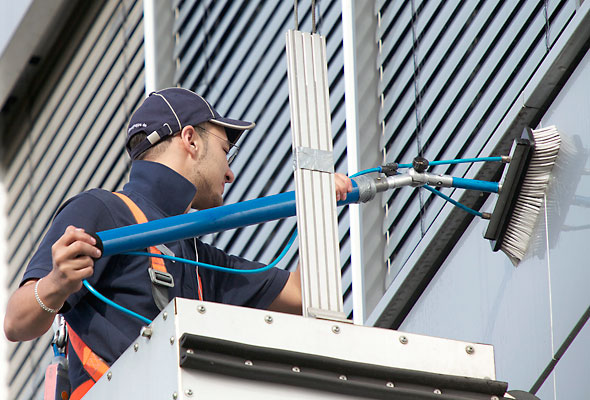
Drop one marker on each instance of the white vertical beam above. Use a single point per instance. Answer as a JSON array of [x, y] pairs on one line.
[[352, 155], [149, 45], [319, 252]]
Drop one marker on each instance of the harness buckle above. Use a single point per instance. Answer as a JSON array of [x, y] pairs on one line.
[[161, 278]]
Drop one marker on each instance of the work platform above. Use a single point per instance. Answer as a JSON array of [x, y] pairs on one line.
[[202, 350]]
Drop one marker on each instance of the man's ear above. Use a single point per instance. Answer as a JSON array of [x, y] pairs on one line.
[[190, 139]]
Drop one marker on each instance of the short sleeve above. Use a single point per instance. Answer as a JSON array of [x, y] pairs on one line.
[[89, 211], [256, 290]]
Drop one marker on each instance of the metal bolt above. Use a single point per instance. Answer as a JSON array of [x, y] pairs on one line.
[[403, 340], [390, 384], [437, 391], [171, 339], [136, 347], [248, 362], [469, 350], [165, 315], [190, 351], [336, 329], [342, 377], [146, 331], [175, 395], [109, 375], [268, 319], [188, 392], [295, 369], [201, 309]]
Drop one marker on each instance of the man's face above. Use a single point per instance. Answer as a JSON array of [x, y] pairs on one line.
[[212, 170]]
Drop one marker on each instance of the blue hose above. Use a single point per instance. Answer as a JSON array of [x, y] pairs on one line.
[[453, 202], [456, 161], [113, 304]]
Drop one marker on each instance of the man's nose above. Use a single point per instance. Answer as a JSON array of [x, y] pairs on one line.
[[229, 176]]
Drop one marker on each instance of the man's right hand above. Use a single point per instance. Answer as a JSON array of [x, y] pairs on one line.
[[73, 262]]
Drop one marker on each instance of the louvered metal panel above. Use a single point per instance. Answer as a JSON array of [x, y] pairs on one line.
[[74, 140], [233, 53], [450, 71]]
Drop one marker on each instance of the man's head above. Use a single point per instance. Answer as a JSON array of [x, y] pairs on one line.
[[178, 128], [166, 112]]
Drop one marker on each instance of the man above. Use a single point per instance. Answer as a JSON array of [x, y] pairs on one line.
[[181, 148]]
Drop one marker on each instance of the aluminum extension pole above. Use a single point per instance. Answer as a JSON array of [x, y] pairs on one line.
[[256, 211]]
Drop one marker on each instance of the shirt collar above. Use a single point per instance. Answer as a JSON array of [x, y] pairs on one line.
[[164, 187]]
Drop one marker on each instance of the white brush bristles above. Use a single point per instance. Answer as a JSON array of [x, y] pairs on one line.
[[530, 200]]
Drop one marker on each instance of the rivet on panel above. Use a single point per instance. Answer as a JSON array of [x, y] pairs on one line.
[[469, 350], [336, 329], [136, 347], [403, 340], [268, 319], [437, 391], [201, 309], [109, 375]]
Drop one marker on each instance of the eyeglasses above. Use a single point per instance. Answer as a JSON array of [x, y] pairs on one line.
[[233, 149]]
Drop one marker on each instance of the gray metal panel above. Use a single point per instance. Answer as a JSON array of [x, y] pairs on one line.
[[473, 61], [240, 67], [73, 140]]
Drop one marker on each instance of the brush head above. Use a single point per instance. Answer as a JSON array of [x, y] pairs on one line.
[[519, 204]]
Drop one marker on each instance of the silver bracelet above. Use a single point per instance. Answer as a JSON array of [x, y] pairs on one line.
[[43, 306]]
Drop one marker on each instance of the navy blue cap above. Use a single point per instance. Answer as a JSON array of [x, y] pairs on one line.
[[167, 111]]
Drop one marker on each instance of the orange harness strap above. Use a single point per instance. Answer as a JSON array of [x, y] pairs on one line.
[[157, 263], [92, 363]]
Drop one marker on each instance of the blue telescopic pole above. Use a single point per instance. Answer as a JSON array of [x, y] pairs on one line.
[[178, 227]]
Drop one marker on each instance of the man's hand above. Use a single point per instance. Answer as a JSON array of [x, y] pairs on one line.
[[343, 186], [73, 262]]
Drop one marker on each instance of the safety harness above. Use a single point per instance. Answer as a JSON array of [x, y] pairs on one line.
[[161, 279]]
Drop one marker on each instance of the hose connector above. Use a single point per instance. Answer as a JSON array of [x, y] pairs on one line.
[[367, 188]]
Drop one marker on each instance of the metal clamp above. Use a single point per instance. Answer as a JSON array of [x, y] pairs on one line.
[[314, 159], [161, 278]]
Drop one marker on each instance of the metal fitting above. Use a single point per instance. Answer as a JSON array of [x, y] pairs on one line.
[[136, 347], [146, 331], [437, 391], [469, 349], [171, 339], [201, 309], [109, 375], [403, 340], [268, 319], [336, 329]]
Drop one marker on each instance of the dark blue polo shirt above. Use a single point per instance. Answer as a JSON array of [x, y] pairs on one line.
[[159, 192]]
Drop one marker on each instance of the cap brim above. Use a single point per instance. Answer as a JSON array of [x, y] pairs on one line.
[[233, 127]]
